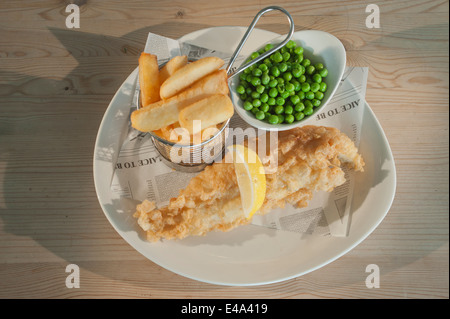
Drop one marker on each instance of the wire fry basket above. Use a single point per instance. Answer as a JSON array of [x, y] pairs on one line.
[[190, 157]]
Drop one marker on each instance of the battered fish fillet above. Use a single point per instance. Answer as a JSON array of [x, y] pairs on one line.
[[309, 160]]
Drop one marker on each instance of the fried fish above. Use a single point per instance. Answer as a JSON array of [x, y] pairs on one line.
[[309, 159]]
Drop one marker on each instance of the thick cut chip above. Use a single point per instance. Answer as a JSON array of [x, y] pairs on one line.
[[165, 112], [171, 67], [149, 78], [189, 74], [209, 111]]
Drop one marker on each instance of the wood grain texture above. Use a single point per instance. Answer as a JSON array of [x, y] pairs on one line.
[[56, 83]]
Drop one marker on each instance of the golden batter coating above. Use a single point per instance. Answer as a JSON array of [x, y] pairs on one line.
[[309, 160]]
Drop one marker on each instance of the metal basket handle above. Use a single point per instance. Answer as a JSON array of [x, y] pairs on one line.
[[247, 34]]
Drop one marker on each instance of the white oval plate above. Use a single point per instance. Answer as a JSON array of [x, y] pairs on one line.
[[319, 46], [249, 255]]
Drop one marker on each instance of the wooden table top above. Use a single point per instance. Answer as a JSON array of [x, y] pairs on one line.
[[56, 83]]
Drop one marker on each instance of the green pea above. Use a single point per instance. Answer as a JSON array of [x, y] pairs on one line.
[[303, 69], [289, 118], [285, 79], [298, 50], [265, 79], [254, 55], [315, 87], [273, 119], [296, 72], [240, 89], [309, 95], [291, 44], [279, 109], [324, 72], [280, 100], [277, 57], [319, 66], [260, 88], [255, 81], [268, 47], [248, 105], [264, 97], [319, 95], [263, 67], [308, 111], [285, 94], [257, 72], [290, 87], [297, 86], [301, 95], [310, 69], [295, 99], [299, 107], [255, 95], [256, 102], [306, 87], [260, 115], [288, 109], [317, 78], [274, 71], [264, 107], [299, 116], [273, 92], [273, 83], [287, 76], [308, 104]]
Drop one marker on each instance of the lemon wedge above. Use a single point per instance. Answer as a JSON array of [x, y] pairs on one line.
[[251, 178]]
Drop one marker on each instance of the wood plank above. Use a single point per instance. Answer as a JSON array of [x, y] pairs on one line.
[[53, 10], [124, 37], [146, 280]]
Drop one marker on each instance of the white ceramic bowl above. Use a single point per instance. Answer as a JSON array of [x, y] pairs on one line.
[[318, 46]]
